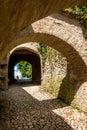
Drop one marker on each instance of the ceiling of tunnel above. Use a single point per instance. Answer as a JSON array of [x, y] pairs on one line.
[[16, 15], [16, 29], [22, 51]]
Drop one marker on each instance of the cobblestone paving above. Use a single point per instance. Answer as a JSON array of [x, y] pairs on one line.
[[29, 108]]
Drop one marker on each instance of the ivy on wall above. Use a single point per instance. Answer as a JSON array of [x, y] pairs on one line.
[[79, 13], [43, 52], [51, 57]]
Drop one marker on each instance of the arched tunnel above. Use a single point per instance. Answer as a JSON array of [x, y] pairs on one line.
[[66, 36], [25, 55], [42, 21]]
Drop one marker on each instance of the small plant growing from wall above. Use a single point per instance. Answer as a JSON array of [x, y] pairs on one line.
[[79, 13]]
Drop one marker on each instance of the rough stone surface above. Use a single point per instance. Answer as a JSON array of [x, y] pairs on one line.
[[32, 46], [29, 108], [61, 33], [25, 54], [57, 31], [80, 98], [5, 71], [16, 15], [68, 37], [54, 70], [69, 31], [55, 64], [3, 76]]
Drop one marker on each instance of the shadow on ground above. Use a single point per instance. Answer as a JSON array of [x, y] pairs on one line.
[[21, 111]]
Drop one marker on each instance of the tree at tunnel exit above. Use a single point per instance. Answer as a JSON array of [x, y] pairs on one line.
[[25, 69]]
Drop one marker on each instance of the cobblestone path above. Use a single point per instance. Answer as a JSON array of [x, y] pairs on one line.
[[26, 107]]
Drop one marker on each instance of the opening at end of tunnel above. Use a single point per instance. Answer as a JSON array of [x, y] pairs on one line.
[[23, 72], [23, 67]]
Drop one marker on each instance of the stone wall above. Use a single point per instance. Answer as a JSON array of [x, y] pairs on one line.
[[80, 99], [54, 69], [16, 15], [7, 68], [59, 80], [63, 34], [57, 77], [4, 75]]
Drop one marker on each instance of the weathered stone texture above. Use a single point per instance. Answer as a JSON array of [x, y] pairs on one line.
[[66, 29], [55, 67], [29, 108], [16, 15], [32, 46], [80, 99], [59, 32], [54, 70]]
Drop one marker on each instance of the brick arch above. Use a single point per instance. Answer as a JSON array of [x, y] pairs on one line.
[[23, 54]]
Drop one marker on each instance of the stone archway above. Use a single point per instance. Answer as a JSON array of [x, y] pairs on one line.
[[22, 54], [61, 33], [16, 15]]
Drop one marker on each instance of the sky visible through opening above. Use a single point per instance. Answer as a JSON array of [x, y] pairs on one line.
[[17, 72], [23, 70]]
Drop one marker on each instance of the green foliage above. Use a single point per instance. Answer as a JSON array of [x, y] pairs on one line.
[[50, 53], [25, 69], [73, 105], [43, 52], [80, 13]]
